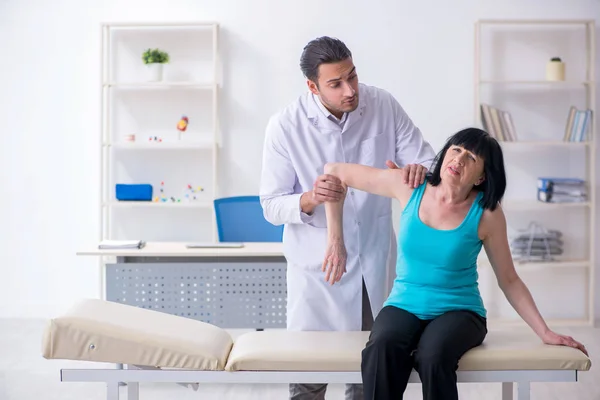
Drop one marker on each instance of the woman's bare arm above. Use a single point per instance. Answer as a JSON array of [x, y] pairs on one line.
[[498, 252], [334, 264], [496, 245], [382, 182]]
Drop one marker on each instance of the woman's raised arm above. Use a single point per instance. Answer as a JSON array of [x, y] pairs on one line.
[[382, 182]]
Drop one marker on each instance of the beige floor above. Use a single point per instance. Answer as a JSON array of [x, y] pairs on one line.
[[25, 375]]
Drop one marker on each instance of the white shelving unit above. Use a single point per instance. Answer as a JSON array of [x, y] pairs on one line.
[[518, 85], [132, 103]]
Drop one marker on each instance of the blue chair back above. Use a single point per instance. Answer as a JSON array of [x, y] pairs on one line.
[[241, 219]]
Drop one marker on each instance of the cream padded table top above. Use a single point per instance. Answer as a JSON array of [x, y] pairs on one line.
[[98, 330], [341, 351], [102, 331], [297, 351]]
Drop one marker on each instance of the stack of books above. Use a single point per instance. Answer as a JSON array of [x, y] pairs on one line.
[[561, 190], [578, 125], [498, 123], [536, 244]]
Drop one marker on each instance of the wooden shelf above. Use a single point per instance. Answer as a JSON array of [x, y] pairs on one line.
[[503, 322], [161, 25], [128, 99], [543, 143], [553, 264], [535, 21], [141, 145], [159, 204], [549, 140], [520, 205], [564, 263], [162, 85], [535, 82]]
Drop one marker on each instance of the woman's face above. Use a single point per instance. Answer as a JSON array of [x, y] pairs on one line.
[[462, 167]]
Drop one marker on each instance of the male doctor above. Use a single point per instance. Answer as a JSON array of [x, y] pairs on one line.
[[337, 120]]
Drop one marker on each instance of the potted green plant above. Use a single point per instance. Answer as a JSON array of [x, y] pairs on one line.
[[155, 59]]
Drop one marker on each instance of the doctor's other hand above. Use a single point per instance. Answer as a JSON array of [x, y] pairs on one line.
[[414, 174], [334, 264], [325, 188], [563, 340]]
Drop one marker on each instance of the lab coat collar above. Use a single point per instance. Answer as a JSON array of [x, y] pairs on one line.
[[326, 112], [314, 113]]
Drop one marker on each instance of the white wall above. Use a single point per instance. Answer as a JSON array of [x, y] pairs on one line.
[[422, 52]]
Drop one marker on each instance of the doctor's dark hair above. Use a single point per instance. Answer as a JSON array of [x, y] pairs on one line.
[[322, 50], [486, 147]]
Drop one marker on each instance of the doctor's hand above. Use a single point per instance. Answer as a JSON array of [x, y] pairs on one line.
[[334, 264], [414, 174], [326, 188]]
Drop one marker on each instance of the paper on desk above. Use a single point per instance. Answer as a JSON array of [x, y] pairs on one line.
[[121, 244]]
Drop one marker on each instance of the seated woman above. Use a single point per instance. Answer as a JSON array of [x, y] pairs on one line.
[[434, 313]]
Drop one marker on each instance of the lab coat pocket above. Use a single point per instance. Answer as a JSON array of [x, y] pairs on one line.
[[373, 151]]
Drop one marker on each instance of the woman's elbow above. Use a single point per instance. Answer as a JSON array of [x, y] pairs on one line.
[[334, 169], [330, 168], [508, 279]]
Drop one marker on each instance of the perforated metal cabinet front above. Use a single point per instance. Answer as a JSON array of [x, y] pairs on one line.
[[229, 293]]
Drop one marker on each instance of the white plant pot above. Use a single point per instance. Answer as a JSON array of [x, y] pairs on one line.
[[555, 71], [155, 72]]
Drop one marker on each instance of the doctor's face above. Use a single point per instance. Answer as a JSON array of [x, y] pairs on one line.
[[337, 87]]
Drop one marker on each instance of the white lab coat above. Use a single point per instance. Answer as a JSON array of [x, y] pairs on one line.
[[299, 141]]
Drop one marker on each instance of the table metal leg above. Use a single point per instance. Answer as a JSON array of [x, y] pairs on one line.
[[507, 391], [133, 391], [523, 391], [112, 391]]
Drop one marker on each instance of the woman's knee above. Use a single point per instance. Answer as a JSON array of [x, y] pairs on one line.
[[383, 349], [447, 338], [390, 336], [436, 358], [385, 340]]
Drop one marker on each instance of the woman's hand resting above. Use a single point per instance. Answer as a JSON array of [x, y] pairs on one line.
[[334, 264], [563, 340]]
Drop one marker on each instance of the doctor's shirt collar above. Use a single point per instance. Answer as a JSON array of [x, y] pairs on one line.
[[317, 108], [327, 113]]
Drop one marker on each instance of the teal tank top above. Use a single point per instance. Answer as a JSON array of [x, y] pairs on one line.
[[436, 270]]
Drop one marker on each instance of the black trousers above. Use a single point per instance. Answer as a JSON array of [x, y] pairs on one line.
[[399, 342]]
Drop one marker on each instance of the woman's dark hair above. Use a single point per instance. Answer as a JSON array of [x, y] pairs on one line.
[[486, 147], [322, 50]]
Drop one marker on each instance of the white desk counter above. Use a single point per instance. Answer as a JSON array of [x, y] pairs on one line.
[[178, 249], [231, 287]]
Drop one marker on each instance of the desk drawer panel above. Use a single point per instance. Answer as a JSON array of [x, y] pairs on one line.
[[230, 294]]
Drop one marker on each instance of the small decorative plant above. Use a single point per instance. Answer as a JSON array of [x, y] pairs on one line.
[[155, 59], [155, 56], [556, 59]]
